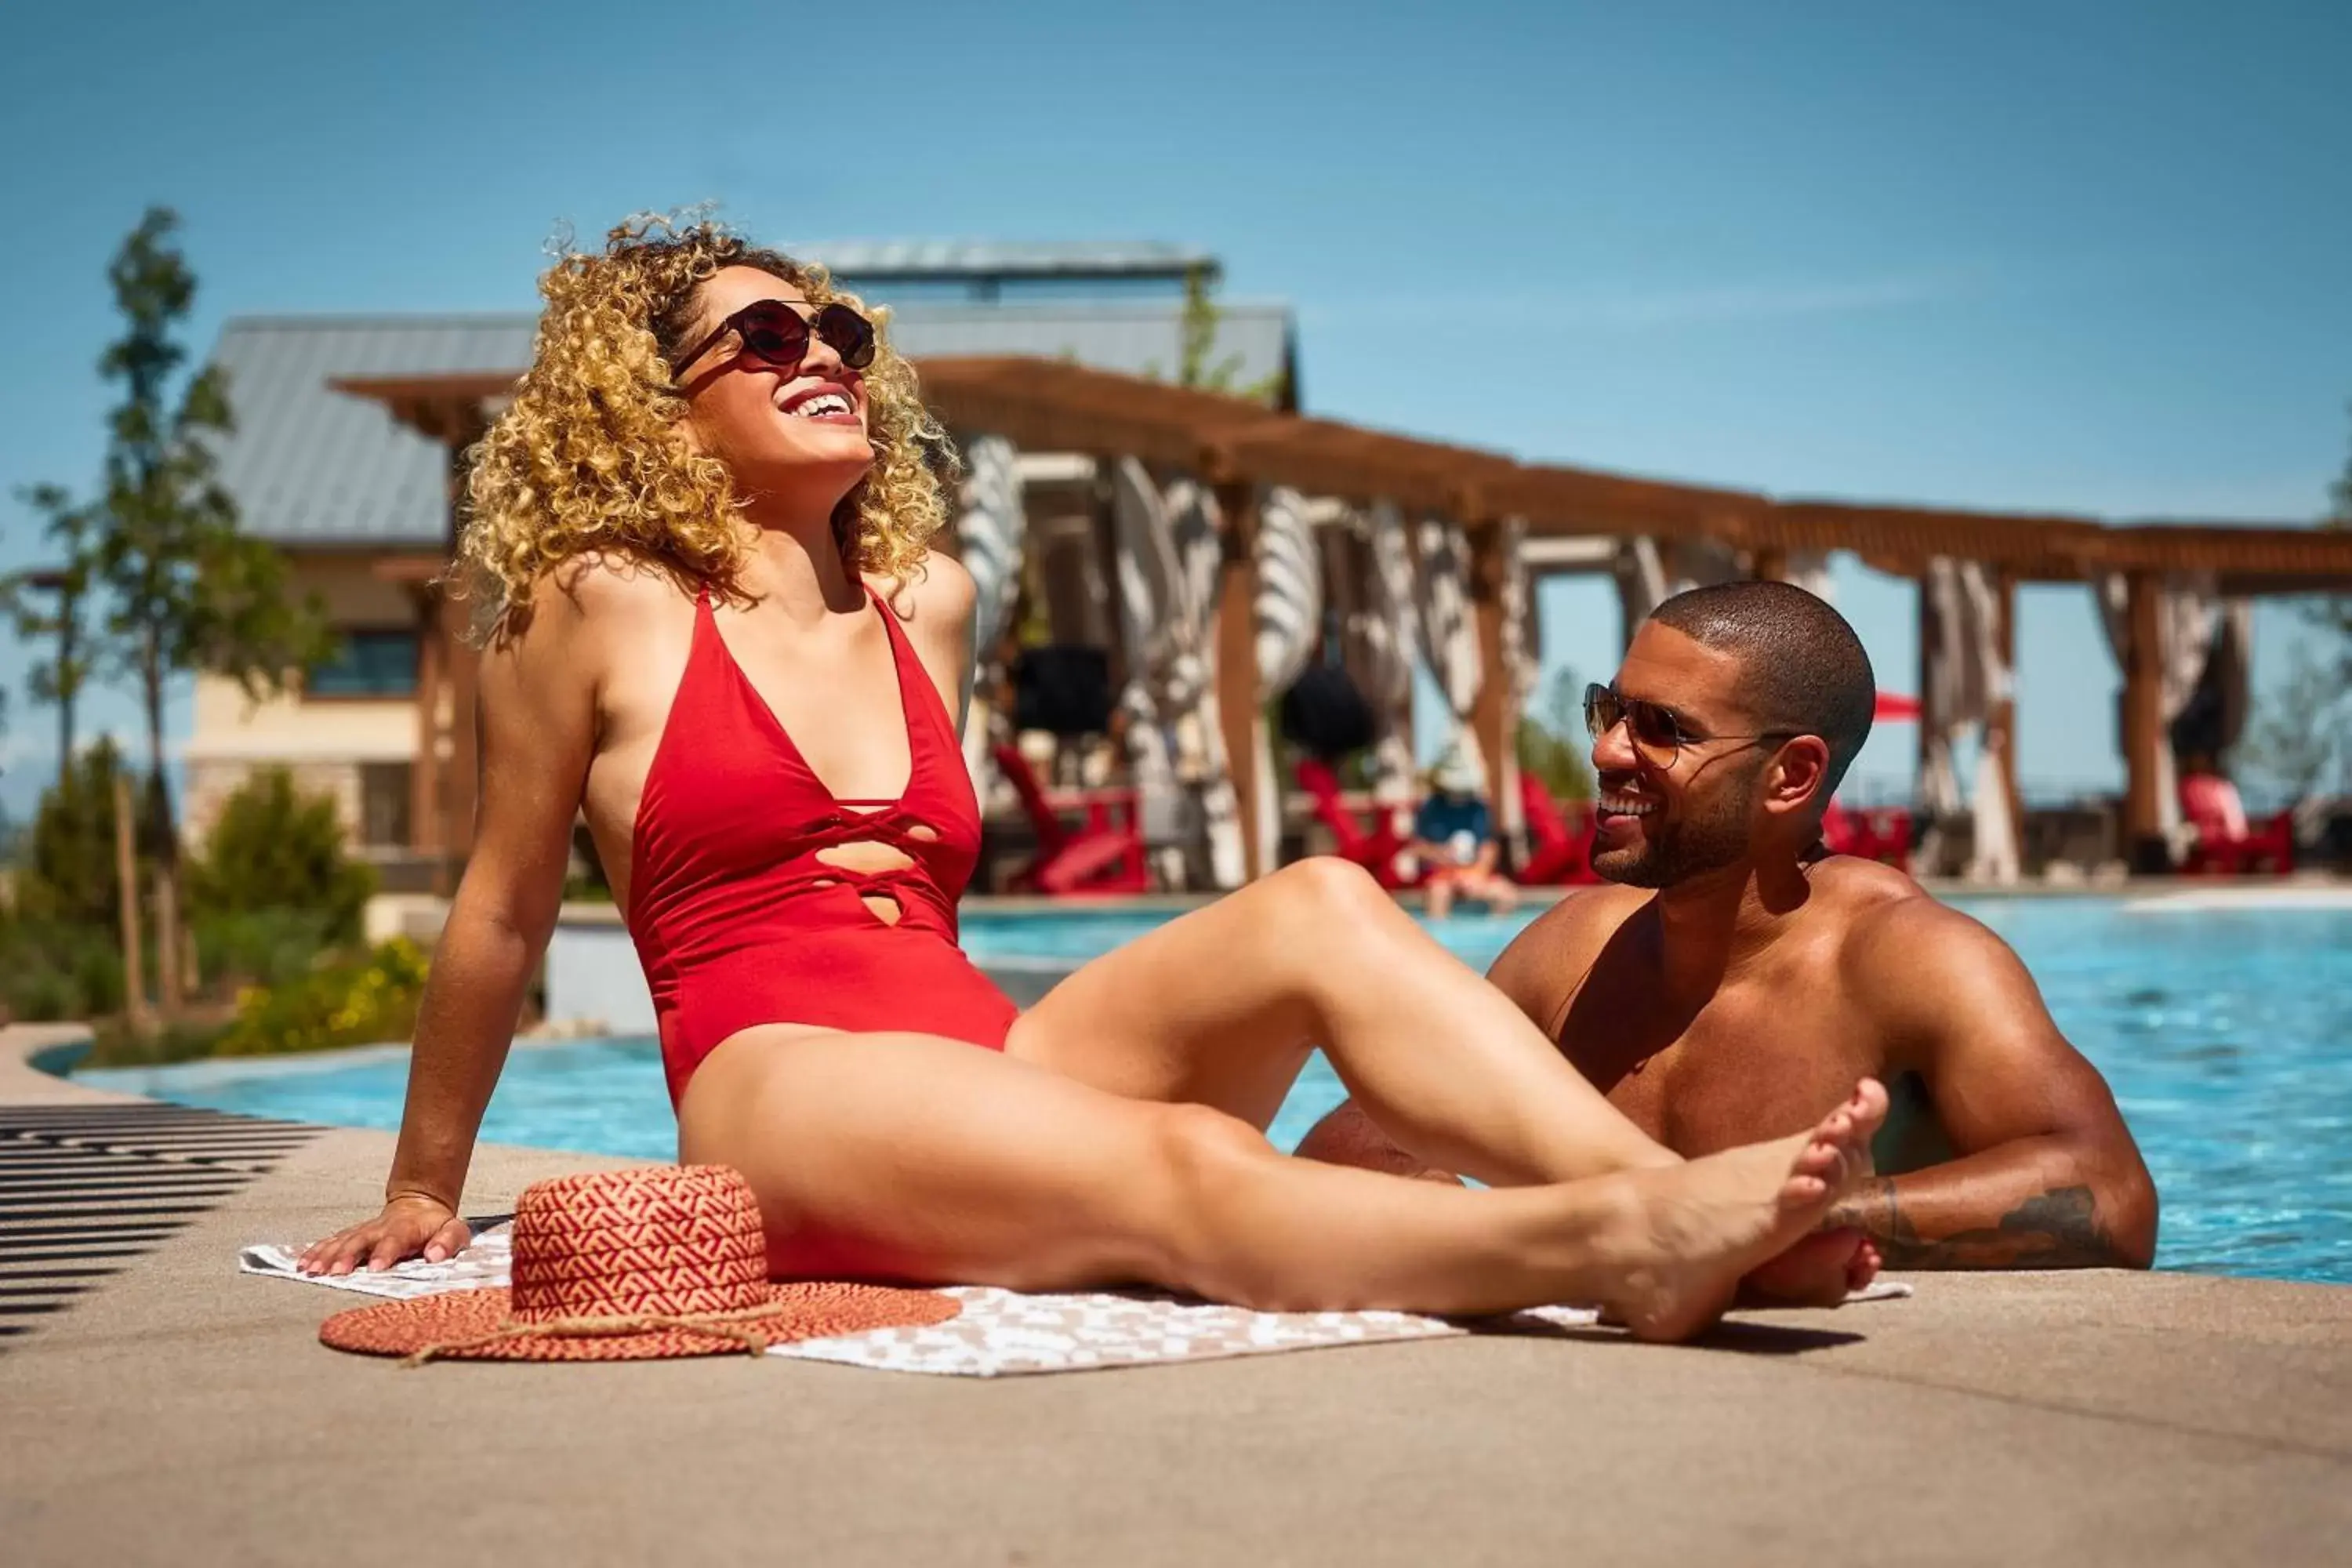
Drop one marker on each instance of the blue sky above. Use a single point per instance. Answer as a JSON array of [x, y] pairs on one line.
[[2070, 257]]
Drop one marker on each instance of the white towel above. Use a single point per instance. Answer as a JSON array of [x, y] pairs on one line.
[[1004, 1333]]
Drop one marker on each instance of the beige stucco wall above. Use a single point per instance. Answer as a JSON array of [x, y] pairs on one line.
[[324, 740]]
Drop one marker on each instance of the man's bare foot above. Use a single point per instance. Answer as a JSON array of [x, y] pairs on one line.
[[1821, 1270], [1704, 1225]]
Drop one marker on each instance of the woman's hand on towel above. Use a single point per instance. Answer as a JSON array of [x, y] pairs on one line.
[[410, 1226]]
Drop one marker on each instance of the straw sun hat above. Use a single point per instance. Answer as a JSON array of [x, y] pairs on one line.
[[630, 1266]]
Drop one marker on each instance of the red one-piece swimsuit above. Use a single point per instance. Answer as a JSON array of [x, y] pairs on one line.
[[736, 921]]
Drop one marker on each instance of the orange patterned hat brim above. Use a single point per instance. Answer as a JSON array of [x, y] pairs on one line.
[[803, 1310]]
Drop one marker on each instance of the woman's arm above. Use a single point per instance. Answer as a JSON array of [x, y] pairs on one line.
[[535, 716], [938, 602]]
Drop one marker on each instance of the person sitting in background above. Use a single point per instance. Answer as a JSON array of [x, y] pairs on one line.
[[1736, 975], [1453, 836]]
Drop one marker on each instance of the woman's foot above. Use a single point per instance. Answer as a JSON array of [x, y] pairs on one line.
[[1697, 1228]]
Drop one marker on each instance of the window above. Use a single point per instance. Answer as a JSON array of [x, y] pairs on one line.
[[371, 663], [384, 795]]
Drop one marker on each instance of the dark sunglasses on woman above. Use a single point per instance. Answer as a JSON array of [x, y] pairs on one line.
[[776, 336]]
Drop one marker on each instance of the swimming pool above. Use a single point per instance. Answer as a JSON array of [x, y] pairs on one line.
[[2227, 1034]]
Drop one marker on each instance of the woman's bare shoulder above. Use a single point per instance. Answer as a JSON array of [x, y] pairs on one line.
[[939, 590], [586, 596]]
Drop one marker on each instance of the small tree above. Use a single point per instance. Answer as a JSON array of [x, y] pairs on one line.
[[50, 602], [2334, 612], [1197, 362], [67, 870], [274, 849], [2297, 740], [184, 589], [1553, 746]]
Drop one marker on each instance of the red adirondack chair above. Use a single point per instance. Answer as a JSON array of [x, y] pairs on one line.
[[1375, 847], [1560, 839], [1102, 853], [1880, 835], [2227, 845]]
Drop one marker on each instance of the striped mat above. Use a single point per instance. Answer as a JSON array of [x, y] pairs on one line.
[[86, 1190]]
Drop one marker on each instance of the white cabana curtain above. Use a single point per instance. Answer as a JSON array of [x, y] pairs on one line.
[[1966, 676], [991, 530], [1810, 570], [1449, 635], [1289, 629], [2189, 611], [1169, 551], [1649, 573], [1379, 637]]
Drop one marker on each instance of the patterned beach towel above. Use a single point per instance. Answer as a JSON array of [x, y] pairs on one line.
[[1003, 1334]]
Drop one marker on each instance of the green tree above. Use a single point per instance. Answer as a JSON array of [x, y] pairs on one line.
[[183, 590], [1552, 744], [66, 873], [50, 602], [1198, 364], [2334, 612], [274, 849], [2297, 738], [2300, 735]]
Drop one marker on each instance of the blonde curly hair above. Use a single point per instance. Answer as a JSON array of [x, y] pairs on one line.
[[591, 456]]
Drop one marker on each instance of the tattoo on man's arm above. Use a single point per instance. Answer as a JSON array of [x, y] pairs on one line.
[[2056, 1229]]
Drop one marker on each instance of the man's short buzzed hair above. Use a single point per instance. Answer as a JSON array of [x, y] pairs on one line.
[[1802, 668]]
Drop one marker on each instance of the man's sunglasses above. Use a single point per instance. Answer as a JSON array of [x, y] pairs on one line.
[[777, 336], [1657, 732]]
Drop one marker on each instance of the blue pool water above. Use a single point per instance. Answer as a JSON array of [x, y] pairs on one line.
[[2227, 1035]]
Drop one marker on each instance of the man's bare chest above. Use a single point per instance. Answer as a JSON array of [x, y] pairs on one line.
[[1760, 1062]]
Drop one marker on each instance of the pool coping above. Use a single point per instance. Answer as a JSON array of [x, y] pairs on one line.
[[2032, 1418]]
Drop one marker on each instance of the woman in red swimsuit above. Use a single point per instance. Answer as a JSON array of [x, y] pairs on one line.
[[700, 534]]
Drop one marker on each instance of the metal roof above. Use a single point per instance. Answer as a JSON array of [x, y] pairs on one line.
[[878, 261], [310, 466], [313, 467]]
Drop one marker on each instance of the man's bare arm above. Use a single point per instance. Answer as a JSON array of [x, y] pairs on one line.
[[2047, 1175]]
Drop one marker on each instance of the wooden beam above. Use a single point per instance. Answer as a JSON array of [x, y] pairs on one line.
[[2000, 720], [1237, 687], [1055, 406], [408, 569], [2143, 728], [1931, 626], [1493, 718], [455, 755], [456, 750], [424, 772]]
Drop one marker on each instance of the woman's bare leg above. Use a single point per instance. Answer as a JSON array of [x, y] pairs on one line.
[[911, 1157], [1221, 1007]]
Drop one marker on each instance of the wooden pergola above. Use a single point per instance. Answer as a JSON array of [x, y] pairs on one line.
[[1239, 447]]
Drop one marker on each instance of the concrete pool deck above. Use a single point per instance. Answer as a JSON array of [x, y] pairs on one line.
[[181, 1413]]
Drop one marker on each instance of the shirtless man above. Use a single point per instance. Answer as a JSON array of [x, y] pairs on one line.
[[1735, 980]]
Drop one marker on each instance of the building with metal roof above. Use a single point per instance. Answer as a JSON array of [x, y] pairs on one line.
[[315, 469], [357, 499]]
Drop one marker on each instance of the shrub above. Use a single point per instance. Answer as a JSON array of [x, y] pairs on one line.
[[52, 969], [114, 1044], [276, 848], [350, 1002], [66, 871], [262, 947]]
